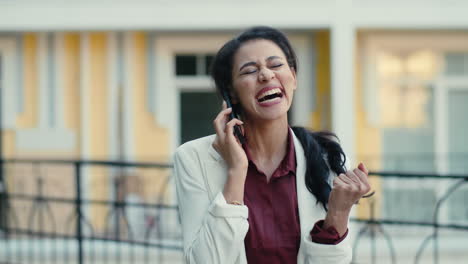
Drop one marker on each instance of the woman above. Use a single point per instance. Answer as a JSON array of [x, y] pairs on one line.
[[270, 199]]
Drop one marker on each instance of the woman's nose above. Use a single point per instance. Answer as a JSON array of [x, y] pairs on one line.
[[265, 75]]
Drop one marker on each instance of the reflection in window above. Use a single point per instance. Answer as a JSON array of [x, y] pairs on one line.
[[402, 88]]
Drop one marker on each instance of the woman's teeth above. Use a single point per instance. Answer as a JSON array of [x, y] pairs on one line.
[[270, 94]]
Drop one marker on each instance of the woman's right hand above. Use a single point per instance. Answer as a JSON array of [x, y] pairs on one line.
[[226, 144]]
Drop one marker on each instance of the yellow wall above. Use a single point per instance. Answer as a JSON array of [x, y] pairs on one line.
[[151, 141], [368, 141], [321, 117], [98, 96], [99, 132], [71, 80], [28, 119]]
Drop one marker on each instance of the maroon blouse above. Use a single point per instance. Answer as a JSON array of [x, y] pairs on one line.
[[274, 230]]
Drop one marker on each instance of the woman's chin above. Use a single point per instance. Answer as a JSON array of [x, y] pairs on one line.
[[270, 116]]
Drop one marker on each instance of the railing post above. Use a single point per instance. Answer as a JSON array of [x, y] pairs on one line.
[[372, 231], [79, 213], [3, 201]]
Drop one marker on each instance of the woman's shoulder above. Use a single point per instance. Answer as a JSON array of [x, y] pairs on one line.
[[194, 155], [197, 145]]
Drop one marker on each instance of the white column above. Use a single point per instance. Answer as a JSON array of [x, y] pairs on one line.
[[85, 132], [84, 95], [128, 49], [8, 82], [112, 89], [59, 113], [342, 78], [304, 96], [50, 59]]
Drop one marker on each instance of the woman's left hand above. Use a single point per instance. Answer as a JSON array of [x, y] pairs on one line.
[[348, 188]]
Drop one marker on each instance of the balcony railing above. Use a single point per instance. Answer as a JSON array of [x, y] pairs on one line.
[[57, 211]]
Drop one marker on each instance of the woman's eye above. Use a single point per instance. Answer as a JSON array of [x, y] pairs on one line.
[[248, 71], [277, 65]]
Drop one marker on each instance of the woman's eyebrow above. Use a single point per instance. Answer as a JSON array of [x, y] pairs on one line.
[[273, 57], [250, 63]]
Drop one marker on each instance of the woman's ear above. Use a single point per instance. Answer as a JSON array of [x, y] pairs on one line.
[[294, 76], [233, 96]]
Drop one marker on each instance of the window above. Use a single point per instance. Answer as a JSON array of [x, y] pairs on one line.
[[199, 103], [193, 64], [406, 109], [198, 110], [419, 84], [456, 63], [458, 151]]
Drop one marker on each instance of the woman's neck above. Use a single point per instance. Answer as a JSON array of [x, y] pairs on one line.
[[267, 141]]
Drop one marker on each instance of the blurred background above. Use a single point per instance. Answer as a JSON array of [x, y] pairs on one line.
[[97, 95]]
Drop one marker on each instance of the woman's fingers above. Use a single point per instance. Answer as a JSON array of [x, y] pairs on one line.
[[345, 178], [363, 180], [353, 177], [363, 168], [348, 188], [220, 121], [225, 142], [356, 181], [338, 182], [230, 128]]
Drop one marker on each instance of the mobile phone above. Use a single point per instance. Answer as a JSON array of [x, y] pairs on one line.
[[237, 129]]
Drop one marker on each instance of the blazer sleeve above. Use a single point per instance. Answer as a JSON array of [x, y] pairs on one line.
[[213, 230], [315, 253]]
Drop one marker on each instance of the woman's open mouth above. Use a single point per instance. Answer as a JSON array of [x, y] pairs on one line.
[[270, 95]]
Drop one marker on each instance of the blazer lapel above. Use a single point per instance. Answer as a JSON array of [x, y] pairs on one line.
[[309, 211]]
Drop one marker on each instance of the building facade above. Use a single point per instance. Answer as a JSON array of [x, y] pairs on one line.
[[125, 80]]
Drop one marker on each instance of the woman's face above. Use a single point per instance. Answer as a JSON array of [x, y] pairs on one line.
[[263, 82]]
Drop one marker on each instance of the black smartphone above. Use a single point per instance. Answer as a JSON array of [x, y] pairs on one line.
[[237, 129]]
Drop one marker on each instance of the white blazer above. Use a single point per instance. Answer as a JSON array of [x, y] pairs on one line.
[[214, 231]]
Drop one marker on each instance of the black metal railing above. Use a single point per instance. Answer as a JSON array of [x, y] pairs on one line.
[[445, 187], [57, 213], [53, 218]]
